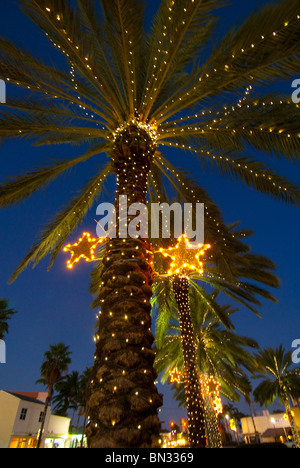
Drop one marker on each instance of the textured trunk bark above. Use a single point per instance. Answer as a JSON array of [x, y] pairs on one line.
[[124, 401], [195, 406]]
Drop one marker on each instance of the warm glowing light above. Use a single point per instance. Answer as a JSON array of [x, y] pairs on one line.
[[175, 375], [84, 248], [212, 388], [184, 257]]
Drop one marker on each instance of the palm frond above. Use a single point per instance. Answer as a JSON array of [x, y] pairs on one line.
[[264, 48], [125, 32], [179, 31], [63, 25], [57, 231], [22, 186]]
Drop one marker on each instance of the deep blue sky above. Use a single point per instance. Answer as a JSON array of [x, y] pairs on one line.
[[55, 306]]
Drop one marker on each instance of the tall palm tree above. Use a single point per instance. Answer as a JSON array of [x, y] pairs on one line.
[[129, 93], [5, 315], [279, 380], [56, 362]]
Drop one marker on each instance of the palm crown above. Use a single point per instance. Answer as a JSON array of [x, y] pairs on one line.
[[116, 74]]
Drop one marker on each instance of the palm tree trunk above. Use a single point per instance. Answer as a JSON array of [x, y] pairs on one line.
[[195, 405], [124, 400], [253, 420], [47, 402], [212, 426]]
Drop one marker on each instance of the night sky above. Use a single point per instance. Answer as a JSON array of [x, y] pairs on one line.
[[55, 306]]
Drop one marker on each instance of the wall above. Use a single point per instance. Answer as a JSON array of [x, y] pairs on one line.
[[58, 425], [8, 409]]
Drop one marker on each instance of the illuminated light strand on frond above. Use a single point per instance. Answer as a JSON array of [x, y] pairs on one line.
[[153, 182], [99, 84], [152, 81], [231, 161], [201, 113], [131, 76], [174, 131], [251, 47], [173, 172]]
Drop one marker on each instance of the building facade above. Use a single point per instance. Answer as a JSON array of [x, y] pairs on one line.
[[269, 427], [21, 415]]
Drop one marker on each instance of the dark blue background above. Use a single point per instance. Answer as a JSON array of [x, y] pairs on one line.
[[55, 306]]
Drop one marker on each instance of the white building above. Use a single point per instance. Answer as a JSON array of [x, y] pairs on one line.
[[269, 427], [20, 421]]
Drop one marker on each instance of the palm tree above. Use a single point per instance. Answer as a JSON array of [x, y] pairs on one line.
[[5, 315], [279, 380], [248, 400], [185, 273], [219, 353], [56, 362], [83, 396], [129, 94], [67, 390]]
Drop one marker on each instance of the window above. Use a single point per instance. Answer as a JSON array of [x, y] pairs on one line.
[[23, 414], [41, 416]]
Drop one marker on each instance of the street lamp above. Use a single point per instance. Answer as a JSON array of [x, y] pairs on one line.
[[273, 422]]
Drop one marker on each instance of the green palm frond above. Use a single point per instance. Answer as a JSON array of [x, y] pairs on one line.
[[114, 73], [56, 232], [264, 48], [32, 127], [280, 380], [63, 25], [125, 31], [177, 37], [21, 187]]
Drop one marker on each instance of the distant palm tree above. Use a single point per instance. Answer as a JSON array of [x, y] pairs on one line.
[[247, 397], [279, 381], [130, 94], [5, 315], [66, 393], [56, 362], [71, 393]]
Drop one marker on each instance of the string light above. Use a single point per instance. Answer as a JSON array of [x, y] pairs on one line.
[[175, 375], [83, 249], [184, 258]]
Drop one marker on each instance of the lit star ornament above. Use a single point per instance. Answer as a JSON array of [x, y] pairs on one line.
[[175, 375], [84, 248], [185, 257]]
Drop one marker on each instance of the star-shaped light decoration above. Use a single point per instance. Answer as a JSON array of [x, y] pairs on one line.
[[212, 388], [175, 375], [185, 258], [84, 248]]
